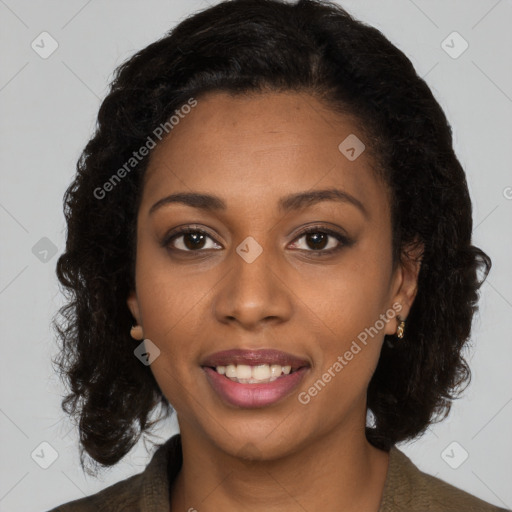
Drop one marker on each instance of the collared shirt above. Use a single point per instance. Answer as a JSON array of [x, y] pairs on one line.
[[406, 489]]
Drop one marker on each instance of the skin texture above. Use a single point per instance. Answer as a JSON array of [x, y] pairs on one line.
[[251, 151]]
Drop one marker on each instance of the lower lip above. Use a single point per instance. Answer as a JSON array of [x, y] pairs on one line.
[[254, 395]]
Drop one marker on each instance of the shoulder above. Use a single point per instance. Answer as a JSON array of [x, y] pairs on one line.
[[123, 495], [409, 489], [146, 491]]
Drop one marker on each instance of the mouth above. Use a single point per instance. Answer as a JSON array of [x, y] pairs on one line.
[[259, 374], [258, 378]]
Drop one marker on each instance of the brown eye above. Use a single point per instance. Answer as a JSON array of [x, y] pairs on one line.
[[189, 240], [321, 241], [317, 241], [193, 240]]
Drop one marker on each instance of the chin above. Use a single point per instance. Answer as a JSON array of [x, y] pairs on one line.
[[260, 441]]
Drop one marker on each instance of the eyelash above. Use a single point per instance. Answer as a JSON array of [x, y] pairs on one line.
[[344, 241]]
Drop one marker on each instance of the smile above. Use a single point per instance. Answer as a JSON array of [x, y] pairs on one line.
[[250, 379], [246, 374]]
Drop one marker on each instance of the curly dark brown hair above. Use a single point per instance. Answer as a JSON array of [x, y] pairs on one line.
[[247, 46]]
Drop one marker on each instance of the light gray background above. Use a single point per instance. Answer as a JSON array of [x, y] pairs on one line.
[[48, 110]]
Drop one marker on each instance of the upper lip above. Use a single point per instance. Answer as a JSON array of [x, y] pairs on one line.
[[253, 358]]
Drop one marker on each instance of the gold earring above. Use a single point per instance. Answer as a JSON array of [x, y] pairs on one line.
[[400, 329], [136, 332]]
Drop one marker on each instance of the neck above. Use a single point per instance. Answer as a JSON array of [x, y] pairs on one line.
[[340, 471]]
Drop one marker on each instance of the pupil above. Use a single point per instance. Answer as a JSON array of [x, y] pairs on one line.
[[197, 240], [318, 238]]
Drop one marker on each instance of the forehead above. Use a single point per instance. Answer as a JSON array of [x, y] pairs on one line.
[[263, 145]]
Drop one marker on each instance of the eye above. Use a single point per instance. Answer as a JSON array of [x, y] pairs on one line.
[[188, 239], [317, 239]]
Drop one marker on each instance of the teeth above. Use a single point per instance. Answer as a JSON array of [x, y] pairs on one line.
[[243, 371], [261, 372], [246, 374], [231, 371], [275, 370]]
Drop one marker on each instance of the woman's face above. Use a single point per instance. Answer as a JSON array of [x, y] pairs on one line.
[[255, 282]]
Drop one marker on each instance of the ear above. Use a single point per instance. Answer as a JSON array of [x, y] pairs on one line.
[[405, 282], [133, 306]]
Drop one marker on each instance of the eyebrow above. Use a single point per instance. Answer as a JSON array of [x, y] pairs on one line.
[[292, 202]]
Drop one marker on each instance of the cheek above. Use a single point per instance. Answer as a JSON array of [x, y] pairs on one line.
[[355, 293], [171, 322], [350, 304], [350, 340], [170, 317], [170, 303]]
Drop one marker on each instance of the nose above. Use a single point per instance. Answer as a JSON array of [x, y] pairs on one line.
[[253, 294]]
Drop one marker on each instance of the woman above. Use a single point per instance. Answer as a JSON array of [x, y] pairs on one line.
[[272, 209]]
